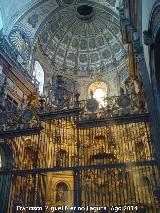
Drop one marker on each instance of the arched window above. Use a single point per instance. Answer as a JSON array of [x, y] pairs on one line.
[[99, 96], [38, 73], [99, 92]]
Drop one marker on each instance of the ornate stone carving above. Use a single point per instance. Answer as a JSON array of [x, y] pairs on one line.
[[76, 39], [20, 41]]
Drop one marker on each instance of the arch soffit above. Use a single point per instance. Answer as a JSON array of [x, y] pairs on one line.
[[62, 181]]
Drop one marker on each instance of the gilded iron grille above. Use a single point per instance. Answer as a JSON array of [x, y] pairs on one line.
[[97, 163]]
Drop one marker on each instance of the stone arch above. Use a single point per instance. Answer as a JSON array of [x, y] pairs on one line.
[[100, 91], [68, 185], [65, 190], [98, 84], [54, 180], [61, 192]]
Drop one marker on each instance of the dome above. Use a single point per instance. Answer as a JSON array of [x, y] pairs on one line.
[[83, 38]]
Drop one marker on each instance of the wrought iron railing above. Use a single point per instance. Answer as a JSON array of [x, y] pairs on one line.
[[111, 164], [114, 106], [18, 120]]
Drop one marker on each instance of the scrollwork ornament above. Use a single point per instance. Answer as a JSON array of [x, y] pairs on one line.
[[20, 42]]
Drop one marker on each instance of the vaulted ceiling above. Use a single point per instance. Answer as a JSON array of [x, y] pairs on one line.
[[82, 36]]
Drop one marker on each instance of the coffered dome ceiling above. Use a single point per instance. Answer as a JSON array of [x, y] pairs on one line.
[[84, 38], [79, 37]]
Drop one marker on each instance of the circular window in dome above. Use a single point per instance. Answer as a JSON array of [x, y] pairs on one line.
[[85, 10]]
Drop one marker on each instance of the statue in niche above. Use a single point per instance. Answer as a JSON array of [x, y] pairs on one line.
[[61, 192]]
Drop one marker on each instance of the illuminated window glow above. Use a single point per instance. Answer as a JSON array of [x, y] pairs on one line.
[[99, 96], [39, 75]]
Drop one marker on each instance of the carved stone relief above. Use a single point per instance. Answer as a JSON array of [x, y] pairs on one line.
[[21, 42]]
